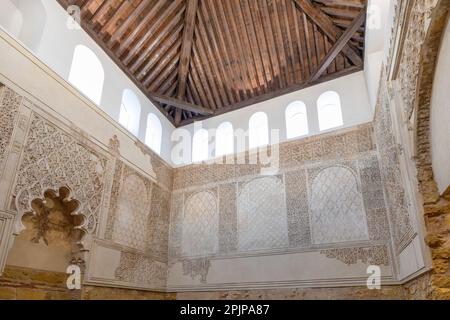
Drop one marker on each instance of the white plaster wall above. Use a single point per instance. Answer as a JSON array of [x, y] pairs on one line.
[[10, 17], [440, 116], [25, 74], [354, 102], [310, 269], [377, 35], [56, 46]]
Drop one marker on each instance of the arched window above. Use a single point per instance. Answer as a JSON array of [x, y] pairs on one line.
[[296, 120], [258, 130], [336, 206], [329, 110], [224, 139], [261, 215], [200, 225], [86, 73], [11, 18], [130, 111], [153, 133], [200, 147]]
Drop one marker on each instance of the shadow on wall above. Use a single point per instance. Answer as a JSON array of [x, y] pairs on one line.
[[25, 20]]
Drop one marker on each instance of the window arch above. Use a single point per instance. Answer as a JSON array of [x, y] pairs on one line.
[[24, 20], [258, 130], [336, 206], [329, 110], [153, 134], [200, 225], [296, 120], [11, 18], [224, 139], [200, 146], [87, 74], [130, 111]]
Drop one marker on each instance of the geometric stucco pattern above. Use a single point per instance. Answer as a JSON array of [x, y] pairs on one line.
[[377, 255], [200, 225], [158, 223], [140, 270], [133, 208], [410, 60], [337, 212], [272, 213], [53, 158], [9, 107], [139, 213], [262, 222], [395, 195]]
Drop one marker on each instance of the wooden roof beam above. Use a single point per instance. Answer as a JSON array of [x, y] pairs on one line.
[[325, 23], [339, 45], [186, 52], [180, 104]]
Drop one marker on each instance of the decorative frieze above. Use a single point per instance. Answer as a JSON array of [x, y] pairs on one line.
[[377, 255], [141, 271], [9, 108], [196, 268]]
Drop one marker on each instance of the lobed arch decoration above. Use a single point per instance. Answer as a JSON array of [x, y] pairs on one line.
[[57, 215]]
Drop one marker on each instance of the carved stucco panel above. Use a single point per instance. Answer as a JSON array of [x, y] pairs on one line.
[[200, 229], [377, 255], [297, 209], [133, 208], [337, 212], [9, 108], [141, 270], [53, 158], [158, 223], [227, 218], [391, 176], [262, 215]]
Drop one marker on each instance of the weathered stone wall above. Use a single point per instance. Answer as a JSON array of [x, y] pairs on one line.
[[29, 284], [436, 206], [417, 35]]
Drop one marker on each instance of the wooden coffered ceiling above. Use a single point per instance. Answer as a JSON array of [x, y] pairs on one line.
[[199, 58]]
